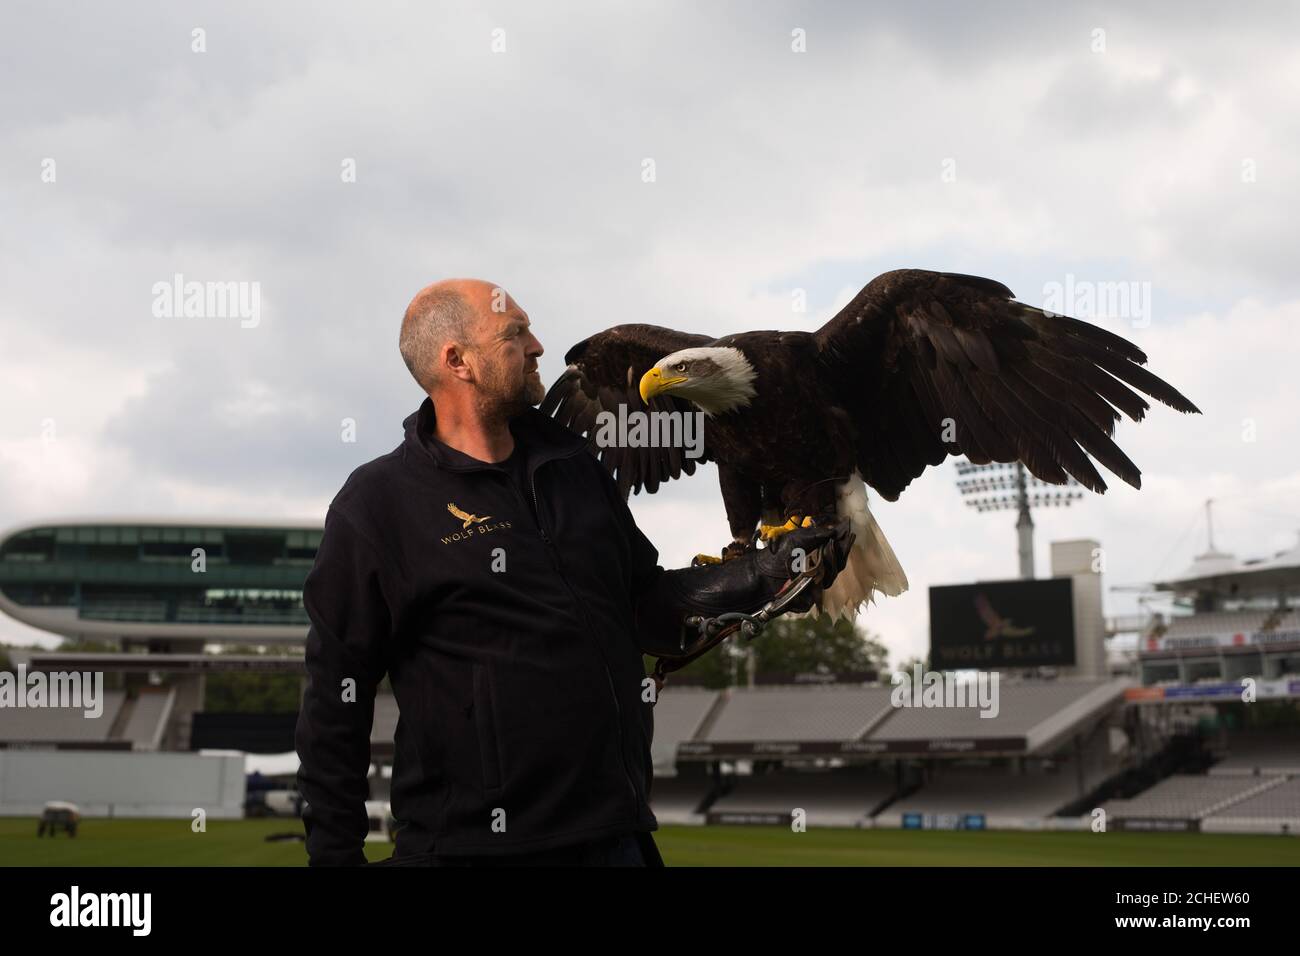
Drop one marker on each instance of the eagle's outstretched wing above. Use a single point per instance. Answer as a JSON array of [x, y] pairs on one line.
[[930, 364], [604, 372]]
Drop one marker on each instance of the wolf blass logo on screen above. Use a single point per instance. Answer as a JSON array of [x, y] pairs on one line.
[[77, 909], [471, 524]]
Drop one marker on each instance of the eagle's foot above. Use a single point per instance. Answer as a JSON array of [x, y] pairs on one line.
[[735, 549], [770, 532]]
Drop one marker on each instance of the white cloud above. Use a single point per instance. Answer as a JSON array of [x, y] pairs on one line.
[[775, 169]]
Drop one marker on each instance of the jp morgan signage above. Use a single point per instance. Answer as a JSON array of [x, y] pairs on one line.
[[1002, 624], [713, 749]]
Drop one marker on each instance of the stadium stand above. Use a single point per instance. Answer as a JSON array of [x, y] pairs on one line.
[[1276, 752], [1190, 797], [842, 751], [1272, 810], [1217, 622], [679, 714], [384, 728], [129, 721], [146, 717], [1042, 713], [820, 748], [135, 611], [676, 799], [827, 714], [1289, 621], [1003, 798], [59, 725], [830, 799]]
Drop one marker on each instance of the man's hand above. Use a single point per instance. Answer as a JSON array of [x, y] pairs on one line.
[[744, 584], [793, 553]]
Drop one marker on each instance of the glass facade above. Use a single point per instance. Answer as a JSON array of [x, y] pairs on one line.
[[151, 573]]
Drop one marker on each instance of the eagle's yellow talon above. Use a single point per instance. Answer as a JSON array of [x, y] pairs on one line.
[[700, 559], [807, 522], [770, 532]]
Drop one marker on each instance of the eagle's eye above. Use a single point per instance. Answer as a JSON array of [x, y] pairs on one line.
[[680, 366]]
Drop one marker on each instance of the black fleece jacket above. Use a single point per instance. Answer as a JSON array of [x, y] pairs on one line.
[[513, 646]]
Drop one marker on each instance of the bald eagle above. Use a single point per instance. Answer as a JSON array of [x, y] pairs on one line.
[[918, 366]]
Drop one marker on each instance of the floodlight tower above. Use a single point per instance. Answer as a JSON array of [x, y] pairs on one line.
[[1004, 486]]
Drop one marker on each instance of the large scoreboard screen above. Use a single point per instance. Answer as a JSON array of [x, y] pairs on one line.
[[1002, 624]]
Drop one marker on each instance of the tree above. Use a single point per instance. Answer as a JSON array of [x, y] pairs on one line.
[[908, 666], [817, 645], [86, 645], [715, 670], [252, 692], [790, 646]]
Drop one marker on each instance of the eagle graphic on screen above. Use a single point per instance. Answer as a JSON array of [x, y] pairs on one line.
[[918, 366], [997, 625]]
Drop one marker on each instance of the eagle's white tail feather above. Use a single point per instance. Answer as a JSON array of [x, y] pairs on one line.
[[872, 565]]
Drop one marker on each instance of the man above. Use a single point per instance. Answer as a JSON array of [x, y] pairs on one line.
[[489, 566]]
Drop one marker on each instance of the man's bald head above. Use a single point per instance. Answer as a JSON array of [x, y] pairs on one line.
[[468, 340], [440, 313]]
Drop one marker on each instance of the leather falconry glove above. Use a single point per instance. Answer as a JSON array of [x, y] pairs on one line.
[[743, 584], [795, 551]]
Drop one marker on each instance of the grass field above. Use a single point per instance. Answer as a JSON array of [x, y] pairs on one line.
[[243, 843]]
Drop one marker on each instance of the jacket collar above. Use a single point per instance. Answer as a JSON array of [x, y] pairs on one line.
[[542, 437]]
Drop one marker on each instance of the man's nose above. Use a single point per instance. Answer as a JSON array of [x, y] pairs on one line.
[[536, 346]]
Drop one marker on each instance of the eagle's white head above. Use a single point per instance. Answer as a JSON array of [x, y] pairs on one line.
[[716, 378]]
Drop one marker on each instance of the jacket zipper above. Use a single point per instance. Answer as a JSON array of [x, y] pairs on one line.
[[609, 677]]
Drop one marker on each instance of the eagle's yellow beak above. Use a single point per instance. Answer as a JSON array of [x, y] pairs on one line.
[[653, 382]]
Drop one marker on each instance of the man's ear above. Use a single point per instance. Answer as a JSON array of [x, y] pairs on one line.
[[453, 360]]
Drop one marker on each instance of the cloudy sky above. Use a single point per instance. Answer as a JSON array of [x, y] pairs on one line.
[[797, 150]]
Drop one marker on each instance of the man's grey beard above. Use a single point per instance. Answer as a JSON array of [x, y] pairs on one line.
[[500, 410], [532, 389]]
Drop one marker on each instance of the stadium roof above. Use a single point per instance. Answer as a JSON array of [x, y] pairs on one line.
[[1033, 718], [1220, 571], [133, 576], [163, 521], [114, 663]]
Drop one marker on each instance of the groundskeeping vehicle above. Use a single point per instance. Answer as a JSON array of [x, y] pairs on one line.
[[59, 815]]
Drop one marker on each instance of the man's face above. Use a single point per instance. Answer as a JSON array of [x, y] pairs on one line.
[[507, 353]]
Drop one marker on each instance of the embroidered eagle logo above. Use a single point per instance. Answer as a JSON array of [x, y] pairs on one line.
[[465, 516]]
